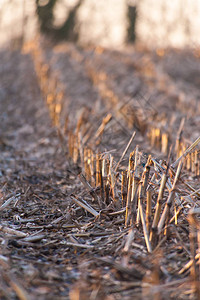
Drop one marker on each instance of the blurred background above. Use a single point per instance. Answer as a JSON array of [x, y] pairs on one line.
[[109, 23]]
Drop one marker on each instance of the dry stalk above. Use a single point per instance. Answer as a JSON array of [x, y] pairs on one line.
[[164, 143], [75, 150], [34, 238], [104, 179], [188, 160], [107, 183], [9, 200], [101, 128], [132, 187], [128, 202], [178, 146], [175, 216], [49, 87], [77, 245], [58, 108], [153, 235], [21, 293], [142, 216], [134, 200], [90, 163], [97, 170], [82, 203], [136, 181], [86, 164], [11, 231], [129, 240], [146, 173], [152, 289], [89, 188], [124, 188], [101, 182], [81, 149], [193, 236], [113, 182], [155, 137], [71, 143], [170, 199], [148, 209], [198, 251], [145, 178], [125, 150]]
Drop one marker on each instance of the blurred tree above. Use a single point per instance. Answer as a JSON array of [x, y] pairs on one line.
[[45, 12], [132, 17]]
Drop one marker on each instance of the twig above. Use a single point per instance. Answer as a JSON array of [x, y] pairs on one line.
[[85, 206], [7, 202], [125, 150], [13, 231]]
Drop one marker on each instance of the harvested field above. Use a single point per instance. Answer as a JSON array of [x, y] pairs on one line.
[[99, 173]]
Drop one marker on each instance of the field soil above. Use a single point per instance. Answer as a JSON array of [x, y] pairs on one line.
[[67, 230]]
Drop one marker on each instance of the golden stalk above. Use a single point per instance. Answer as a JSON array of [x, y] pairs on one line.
[[91, 166], [175, 216], [142, 216], [134, 197], [81, 149], [131, 161], [107, 184], [71, 144], [188, 159], [164, 143], [170, 198], [146, 173], [139, 197], [112, 179], [136, 182], [189, 264], [97, 170], [133, 186], [158, 209], [101, 182], [193, 162], [85, 160], [157, 137], [101, 128], [75, 149], [124, 188], [196, 163], [66, 125], [128, 202], [148, 209]]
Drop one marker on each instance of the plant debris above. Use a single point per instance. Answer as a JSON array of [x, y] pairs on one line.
[[99, 183]]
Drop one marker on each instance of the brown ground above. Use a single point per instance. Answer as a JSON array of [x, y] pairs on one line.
[[60, 251]]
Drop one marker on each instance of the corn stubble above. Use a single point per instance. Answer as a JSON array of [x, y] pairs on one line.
[[147, 198]]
